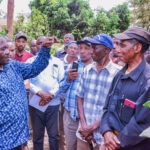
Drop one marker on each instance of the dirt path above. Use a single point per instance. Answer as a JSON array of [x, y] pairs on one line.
[[46, 144]]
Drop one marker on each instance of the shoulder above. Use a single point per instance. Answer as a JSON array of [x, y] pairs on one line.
[[56, 60], [113, 68], [28, 53], [31, 59]]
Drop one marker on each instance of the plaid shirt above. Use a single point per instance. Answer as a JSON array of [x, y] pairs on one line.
[[70, 89], [94, 87]]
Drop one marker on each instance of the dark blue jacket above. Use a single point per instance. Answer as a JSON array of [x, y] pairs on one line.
[[130, 122]]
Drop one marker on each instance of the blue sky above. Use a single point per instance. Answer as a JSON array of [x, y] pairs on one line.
[[21, 6]]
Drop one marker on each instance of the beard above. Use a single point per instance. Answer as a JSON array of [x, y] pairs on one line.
[[20, 48]]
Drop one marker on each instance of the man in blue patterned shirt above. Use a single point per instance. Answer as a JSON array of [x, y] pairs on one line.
[[14, 128]]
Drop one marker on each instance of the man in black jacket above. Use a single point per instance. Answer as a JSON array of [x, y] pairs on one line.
[[124, 116]]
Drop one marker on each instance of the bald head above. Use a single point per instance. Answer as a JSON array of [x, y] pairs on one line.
[[33, 48], [39, 42]]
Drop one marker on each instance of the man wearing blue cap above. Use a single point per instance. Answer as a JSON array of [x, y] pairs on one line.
[[92, 91]]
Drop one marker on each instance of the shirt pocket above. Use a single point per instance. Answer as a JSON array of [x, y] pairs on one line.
[[55, 71], [126, 113]]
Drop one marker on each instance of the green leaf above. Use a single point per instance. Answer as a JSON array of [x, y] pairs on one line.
[[147, 104]]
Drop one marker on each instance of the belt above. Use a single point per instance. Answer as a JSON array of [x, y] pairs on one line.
[[116, 132]]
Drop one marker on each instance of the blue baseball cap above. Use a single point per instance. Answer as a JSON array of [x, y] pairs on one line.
[[103, 39]]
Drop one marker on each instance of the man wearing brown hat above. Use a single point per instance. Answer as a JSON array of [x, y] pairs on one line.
[[124, 116]]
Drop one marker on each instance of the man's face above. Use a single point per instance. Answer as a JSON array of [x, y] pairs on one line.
[[67, 39], [39, 43], [126, 50], [73, 50], [115, 53], [85, 52], [21, 44], [33, 46], [11, 48], [98, 52], [4, 52]]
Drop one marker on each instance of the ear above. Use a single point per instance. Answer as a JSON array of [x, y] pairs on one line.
[[138, 48], [107, 50]]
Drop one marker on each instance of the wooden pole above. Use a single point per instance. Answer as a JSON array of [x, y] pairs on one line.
[[10, 16]]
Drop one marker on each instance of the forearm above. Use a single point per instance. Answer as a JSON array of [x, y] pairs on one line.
[[81, 110], [30, 70], [96, 125]]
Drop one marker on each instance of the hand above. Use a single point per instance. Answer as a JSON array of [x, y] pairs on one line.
[[102, 147], [49, 41], [45, 97], [86, 131], [90, 139], [111, 141], [72, 74]]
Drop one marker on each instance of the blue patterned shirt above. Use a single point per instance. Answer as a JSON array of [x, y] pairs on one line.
[[94, 87], [14, 129], [70, 89]]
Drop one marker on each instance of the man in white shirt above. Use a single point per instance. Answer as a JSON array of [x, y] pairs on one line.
[[44, 88]]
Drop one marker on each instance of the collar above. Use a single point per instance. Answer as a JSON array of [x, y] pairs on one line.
[[134, 75], [20, 55], [108, 67]]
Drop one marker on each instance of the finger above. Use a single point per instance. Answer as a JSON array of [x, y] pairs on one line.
[[72, 70], [116, 140], [110, 145]]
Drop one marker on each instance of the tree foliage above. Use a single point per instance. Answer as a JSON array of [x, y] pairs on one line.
[[58, 17], [141, 13], [36, 25]]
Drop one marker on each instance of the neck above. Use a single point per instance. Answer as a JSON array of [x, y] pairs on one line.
[[19, 52], [71, 59], [1, 67], [87, 62], [134, 63], [102, 63]]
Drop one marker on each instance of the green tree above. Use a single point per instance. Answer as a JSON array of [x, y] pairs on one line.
[[124, 15], [65, 16], [141, 13], [36, 25], [111, 22]]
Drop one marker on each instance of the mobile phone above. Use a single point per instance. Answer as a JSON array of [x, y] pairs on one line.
[[75, 66], [129, 103]]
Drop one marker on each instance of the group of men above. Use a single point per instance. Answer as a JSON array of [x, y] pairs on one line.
[[89, 96]]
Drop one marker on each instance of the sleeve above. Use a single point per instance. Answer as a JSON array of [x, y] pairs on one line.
[[60, 77], [80, 88], [30, 70], [34, 89], [140, 121], [64, 84]]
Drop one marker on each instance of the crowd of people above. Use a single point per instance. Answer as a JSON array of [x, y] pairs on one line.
[[88, 96]]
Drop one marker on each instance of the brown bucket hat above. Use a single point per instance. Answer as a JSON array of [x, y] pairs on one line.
[[137, 33]]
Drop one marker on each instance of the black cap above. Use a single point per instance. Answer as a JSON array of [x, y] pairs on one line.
[[84, 40], [137, 33], [21, 35]]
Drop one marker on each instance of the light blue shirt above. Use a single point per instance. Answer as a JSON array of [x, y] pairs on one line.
[[48, 80]]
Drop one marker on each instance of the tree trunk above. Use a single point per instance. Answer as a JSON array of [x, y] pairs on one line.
[[10, 16]]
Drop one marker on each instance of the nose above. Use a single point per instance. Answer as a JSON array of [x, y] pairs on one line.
[[7, 51]]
